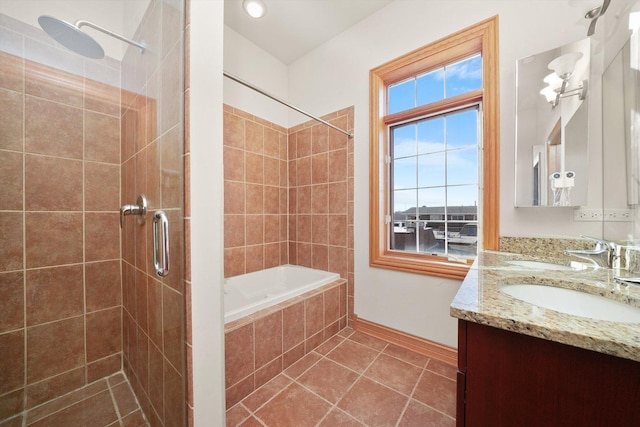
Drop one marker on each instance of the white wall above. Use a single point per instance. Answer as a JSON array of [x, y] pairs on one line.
[[247, 61], [336, 75], [207, 204]]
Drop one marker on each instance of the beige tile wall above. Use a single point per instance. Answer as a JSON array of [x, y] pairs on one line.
[[60, 307], [255, 182], [321, 197]]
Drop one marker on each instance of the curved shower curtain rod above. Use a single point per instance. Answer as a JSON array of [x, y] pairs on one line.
[[275, 98]]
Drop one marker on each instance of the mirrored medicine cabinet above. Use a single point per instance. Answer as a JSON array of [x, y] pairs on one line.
[[552, 137]]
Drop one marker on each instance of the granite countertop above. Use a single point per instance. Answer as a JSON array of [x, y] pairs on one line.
[[480, 300]]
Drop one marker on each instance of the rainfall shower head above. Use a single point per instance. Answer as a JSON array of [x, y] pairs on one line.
[[71, 37]]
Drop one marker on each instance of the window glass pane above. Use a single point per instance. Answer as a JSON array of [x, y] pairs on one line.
[[432, 227], [462, 195], [431, 201], [402, 96], [403, 201], [462, 129], [463, 76], [431, 135], [431, 169], [404, 173], [462, 166], [404, 141], [430, 87], [403, 228]]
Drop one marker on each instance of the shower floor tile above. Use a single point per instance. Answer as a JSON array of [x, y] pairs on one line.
[[354, 380], [108, 402]]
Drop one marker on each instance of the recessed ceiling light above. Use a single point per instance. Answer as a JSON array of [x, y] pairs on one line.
[[254, 8]]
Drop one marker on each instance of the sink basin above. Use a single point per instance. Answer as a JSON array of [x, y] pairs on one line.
[[543, 265], [574, 302]]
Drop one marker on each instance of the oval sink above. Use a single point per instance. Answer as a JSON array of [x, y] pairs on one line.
[[574, 302], [542, 265]]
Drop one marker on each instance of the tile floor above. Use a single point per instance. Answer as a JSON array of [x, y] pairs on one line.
[[354, 380], [108, 402]]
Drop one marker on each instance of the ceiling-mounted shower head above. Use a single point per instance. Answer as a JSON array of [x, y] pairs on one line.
[[71, 37]]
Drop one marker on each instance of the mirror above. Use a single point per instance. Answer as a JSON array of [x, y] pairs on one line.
[[620, 121], [552, 126]]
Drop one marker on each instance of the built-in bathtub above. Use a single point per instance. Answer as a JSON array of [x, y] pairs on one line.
[[252, 292], [273, 318]]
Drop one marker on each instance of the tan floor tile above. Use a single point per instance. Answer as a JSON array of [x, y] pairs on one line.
[[373, 404], [97, 410], [339, 418], [294, 407], [398, 375], [329, 344], [438, 392], [135, 419], [353, 355], [266, 392], [298, 368], [408, 356], [418, 414], [368, 340], [251, 422], [328, 379], [237, 415], [442, 368]]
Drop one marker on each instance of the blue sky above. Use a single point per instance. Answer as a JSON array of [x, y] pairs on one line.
[[436, 151]]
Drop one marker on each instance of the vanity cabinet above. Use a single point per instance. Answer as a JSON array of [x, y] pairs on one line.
[[509, 379]]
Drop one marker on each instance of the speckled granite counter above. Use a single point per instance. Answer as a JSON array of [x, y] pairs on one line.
[[480, 300]]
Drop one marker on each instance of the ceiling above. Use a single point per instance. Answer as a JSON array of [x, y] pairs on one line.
[[291, 28]]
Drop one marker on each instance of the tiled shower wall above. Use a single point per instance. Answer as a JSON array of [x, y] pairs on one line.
[[152, 164], [255, 183], [288, 195], [60, 308], [321, 197]]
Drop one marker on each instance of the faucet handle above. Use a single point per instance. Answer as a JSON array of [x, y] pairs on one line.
[[600, 242], [140, 208]]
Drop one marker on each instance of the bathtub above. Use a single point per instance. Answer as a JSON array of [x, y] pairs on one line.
[[252, 292]]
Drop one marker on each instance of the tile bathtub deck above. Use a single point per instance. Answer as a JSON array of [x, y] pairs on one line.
[[354, 380]]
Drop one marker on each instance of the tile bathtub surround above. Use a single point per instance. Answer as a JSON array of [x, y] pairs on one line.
[[255, 179], [321, 197], [56, 285], [354, 380], [260, 346], [288, 195]]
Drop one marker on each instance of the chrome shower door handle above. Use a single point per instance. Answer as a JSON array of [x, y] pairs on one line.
[[161, 243]]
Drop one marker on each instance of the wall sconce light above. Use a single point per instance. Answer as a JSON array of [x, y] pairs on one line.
[[558, 81]]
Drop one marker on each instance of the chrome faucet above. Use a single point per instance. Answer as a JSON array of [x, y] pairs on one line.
[[140, 209], [603, 254]]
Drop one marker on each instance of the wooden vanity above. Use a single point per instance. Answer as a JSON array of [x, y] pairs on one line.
[[520, 365]]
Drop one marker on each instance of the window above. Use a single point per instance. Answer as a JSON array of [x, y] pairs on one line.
[[434, 155]]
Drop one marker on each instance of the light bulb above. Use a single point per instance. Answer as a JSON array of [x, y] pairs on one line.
[[565, 64], [553, 81], [549, 93], [254, 8]]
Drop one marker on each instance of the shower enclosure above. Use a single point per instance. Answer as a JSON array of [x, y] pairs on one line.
[[80, 297]]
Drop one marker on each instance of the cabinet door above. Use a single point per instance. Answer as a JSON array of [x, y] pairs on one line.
[[516, 380]]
